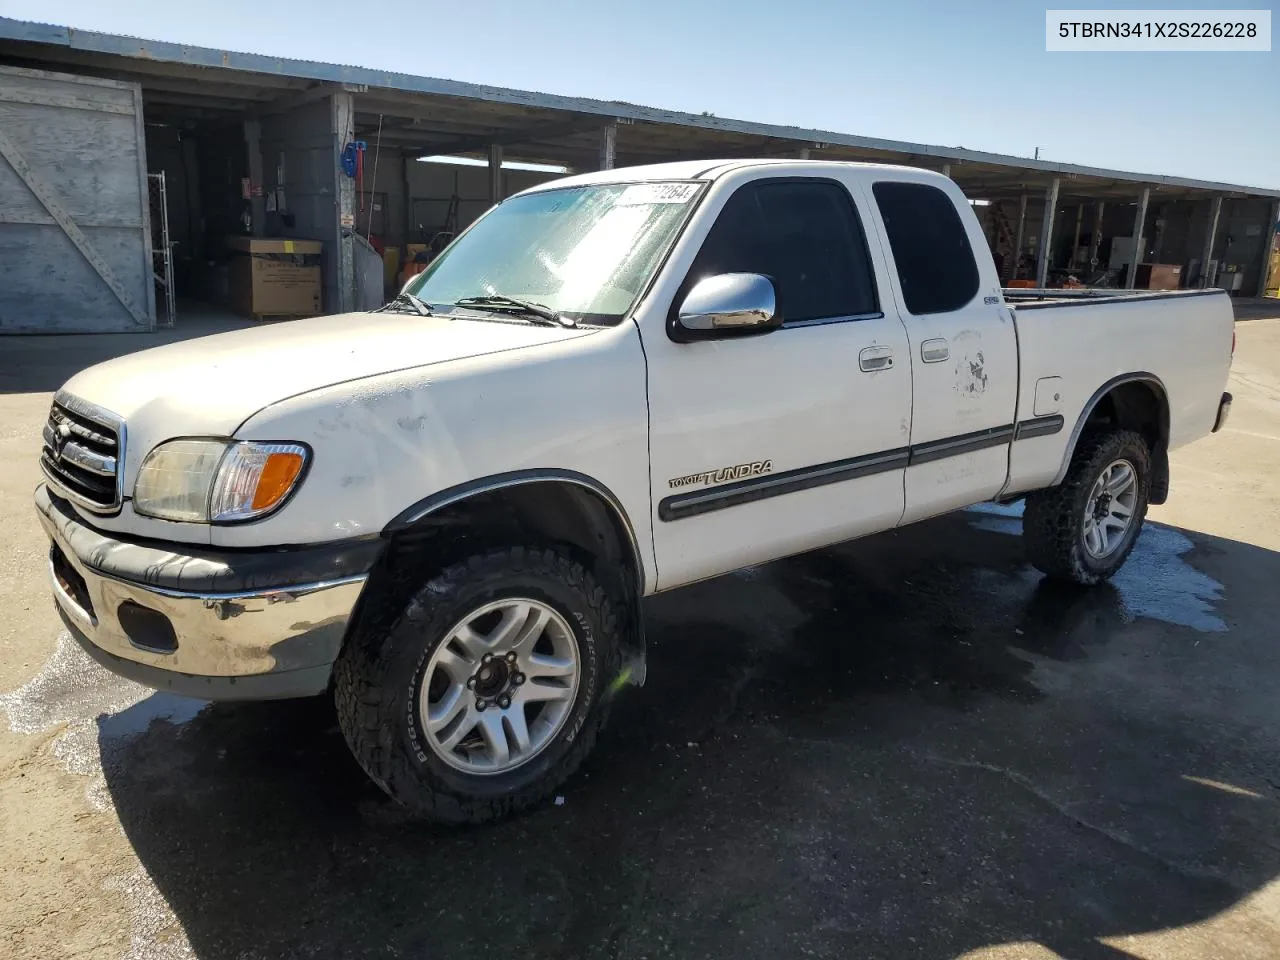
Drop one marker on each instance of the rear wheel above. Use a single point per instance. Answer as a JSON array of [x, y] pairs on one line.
[[1084, 529], [487, 691]]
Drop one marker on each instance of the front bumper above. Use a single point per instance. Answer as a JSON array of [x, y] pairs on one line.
[[221, 625]]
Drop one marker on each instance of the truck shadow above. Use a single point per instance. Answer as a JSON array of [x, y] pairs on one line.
[[904, 746]]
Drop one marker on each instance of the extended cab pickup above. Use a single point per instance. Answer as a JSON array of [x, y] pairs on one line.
[[447, 511]]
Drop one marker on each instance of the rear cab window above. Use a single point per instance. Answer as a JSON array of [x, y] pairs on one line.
[[930, 246], [803, 234]]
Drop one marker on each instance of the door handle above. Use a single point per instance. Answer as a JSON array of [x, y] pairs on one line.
[[934, 351], [871, 359]]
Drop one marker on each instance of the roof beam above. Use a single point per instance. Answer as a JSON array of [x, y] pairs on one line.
[[553, 131], [298, 98]]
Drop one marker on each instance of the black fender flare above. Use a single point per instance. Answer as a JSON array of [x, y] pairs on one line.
[[634, 666], [1140, 376]]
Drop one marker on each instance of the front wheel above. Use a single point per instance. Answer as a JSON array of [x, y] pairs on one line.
[[487, 691], [1084, 529]]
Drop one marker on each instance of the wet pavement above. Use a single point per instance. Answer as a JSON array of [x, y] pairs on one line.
[[905, 746]]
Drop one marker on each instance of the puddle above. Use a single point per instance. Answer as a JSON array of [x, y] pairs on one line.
[[99, 710], [1155, 582], [69, 688], [100, 714]]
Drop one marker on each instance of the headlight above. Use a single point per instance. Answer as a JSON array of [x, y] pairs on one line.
[[216, 480]]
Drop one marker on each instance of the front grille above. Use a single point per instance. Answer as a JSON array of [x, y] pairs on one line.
[[82, 451]]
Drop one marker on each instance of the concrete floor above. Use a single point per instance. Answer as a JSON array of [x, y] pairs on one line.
[[907, 746]]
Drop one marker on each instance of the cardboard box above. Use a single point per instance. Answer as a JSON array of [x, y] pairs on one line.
[[1158, 276], [275, 277]]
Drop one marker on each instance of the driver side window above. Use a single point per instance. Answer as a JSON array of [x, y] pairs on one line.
[[805, 236]]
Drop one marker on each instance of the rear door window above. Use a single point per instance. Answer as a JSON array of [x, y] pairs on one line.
[[936, 268]]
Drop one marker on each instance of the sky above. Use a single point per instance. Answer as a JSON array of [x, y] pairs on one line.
[[944, 72]]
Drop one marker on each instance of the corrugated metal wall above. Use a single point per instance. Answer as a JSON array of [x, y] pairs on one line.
[[74, 221], [299, 165]]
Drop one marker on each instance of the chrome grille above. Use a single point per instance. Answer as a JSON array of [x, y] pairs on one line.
[[82, 453]]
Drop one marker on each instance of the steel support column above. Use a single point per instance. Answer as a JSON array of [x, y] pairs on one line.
[[1046, 233], [1095, 238], [946, 170], [608, 147], [407, 158], [1075, 243], [1139, 222], [257, 201], [495, 172], [1017, 244], [1268, 244], [344, 131], [1210, 235]]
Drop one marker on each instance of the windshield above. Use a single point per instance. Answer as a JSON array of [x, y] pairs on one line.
[[585, 252]]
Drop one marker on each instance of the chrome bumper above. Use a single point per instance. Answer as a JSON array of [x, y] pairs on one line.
[[259, 643]]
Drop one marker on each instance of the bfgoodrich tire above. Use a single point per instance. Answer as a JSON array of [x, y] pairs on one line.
[[1084, 529], [487, 691]]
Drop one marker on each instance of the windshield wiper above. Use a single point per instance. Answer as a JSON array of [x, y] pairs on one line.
[[408, 300], [499, 302]]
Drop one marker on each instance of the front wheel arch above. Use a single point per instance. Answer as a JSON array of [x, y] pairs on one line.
[[528, 508]]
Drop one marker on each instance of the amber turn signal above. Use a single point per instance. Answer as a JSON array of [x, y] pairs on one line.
[[278, 475]]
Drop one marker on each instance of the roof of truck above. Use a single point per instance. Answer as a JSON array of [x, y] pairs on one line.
[[713, 169]]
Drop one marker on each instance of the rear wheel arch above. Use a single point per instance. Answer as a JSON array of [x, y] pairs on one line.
[[1133, 401]]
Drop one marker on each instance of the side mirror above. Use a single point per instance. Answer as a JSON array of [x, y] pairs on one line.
[[728, 303]]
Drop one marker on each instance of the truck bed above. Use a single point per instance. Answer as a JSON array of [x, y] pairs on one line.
[[1179, 341]]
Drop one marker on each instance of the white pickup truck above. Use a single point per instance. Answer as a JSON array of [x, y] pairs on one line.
[[447, 511]]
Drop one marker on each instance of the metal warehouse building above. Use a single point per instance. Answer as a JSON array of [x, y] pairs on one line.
[[135, 175]]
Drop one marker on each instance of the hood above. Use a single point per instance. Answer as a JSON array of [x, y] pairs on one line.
[[210, 385]]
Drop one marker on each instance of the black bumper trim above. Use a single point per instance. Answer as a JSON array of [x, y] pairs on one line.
[[197, 569]]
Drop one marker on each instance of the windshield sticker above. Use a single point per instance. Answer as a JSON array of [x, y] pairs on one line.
[[657, 193]]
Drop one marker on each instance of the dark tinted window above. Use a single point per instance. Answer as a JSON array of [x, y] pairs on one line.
[[935, 262], [805, 237]]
